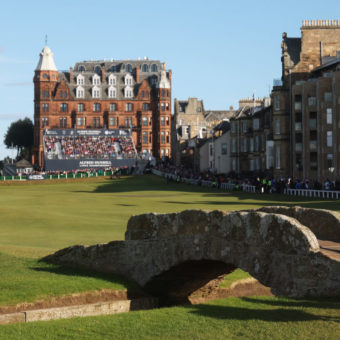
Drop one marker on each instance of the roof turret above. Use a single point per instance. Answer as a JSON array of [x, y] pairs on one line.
[[46, 61], [164, 82]]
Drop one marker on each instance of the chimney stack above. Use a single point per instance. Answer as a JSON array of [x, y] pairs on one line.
[[137, 74], [103, 74], [71, 75]]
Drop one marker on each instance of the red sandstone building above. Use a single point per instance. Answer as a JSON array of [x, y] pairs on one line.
[[133, 94]]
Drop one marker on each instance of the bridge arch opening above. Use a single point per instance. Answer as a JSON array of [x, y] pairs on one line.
[[175, 285]]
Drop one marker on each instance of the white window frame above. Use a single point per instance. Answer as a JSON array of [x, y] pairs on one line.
[[112, 92], [112, 79], [128, 79], [80, 79], [96, 79], [80, 92], [96, 92], [128, 93], [329, 116]]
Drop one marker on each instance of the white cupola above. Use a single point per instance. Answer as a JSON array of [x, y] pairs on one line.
[[46, 61]]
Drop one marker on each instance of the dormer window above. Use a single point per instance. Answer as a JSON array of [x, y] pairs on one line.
[[112, 79], [98, 70], [128, 92], [96, 92], [80, 79], [80, 92], [112, 92], [154, 68], [128, 79], [128, 68], [96, 80], [145, 68], [81, 68]]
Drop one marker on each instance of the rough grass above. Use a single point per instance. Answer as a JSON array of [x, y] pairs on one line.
[[233, 318], [236, 275]]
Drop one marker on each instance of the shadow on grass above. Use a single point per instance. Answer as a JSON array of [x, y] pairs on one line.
[[133, 290], [273, 315], [324, 303], [153, 183]]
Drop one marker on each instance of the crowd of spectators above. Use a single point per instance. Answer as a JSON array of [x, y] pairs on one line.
[[262, 184], [96, 147]]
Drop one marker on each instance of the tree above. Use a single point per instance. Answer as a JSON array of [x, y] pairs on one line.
[[20, 135]]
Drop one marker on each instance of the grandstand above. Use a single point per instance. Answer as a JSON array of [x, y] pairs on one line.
[[76, 149]]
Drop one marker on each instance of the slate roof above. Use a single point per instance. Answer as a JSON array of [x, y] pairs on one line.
[[119, 68], [294, 49]]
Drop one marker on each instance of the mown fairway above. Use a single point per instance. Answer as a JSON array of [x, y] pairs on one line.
[[38, 218]]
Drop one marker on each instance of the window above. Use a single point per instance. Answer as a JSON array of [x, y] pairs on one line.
[[147, 94], [162, 93], [112, 68], [98, 70], [128, 107], [251, 164], [61, 94], [256, 124], [128, 79], [65, 94], [233, 145], [112, 92], [233, 164], [44, 121], [257, 143], [96, 92], [80, 92], [128, 68], [45, 76], [145, 107], [329, 116], [44, 107], [163, 106], [113, 107], [80, 107], [96, 107], [96, 80], [251, 145], [162, 137], [154, 68], [145, 121], [128, 92], [63, 122], [257, 164], [329, 138], [145, 137], [167, 121], [128, 122], [167, 106], [233, 127], [276, 103], [81, 121], [311, 101], [277, 126], [96, 122], [143, 94], [328, 97], [162, 121], [244, 144], [45, 94], [112, 121], [329, 161], [244, 127], [63, 107], [112, 79], [80, 79], [145, 68], [224, 148], [278, 157], [81, 68], [154, 81]]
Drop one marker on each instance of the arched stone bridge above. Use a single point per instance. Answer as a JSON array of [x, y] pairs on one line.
[[173, 255]]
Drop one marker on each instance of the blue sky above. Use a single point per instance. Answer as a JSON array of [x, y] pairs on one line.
[[219, 51]]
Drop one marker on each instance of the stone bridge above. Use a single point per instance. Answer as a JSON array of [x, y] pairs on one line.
[[173, 255]]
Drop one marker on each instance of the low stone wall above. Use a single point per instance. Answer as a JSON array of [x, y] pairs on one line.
[[102, 308]]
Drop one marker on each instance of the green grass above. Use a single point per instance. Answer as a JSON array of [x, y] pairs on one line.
[[236, 275], [26, 279], [233, 318], [38, 218]]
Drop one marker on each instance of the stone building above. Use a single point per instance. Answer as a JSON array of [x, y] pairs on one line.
[[251, 139], [294, 140], [188, 124], [114, 94]]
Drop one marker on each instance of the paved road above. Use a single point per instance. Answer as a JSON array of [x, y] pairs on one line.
[[330, 249]]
